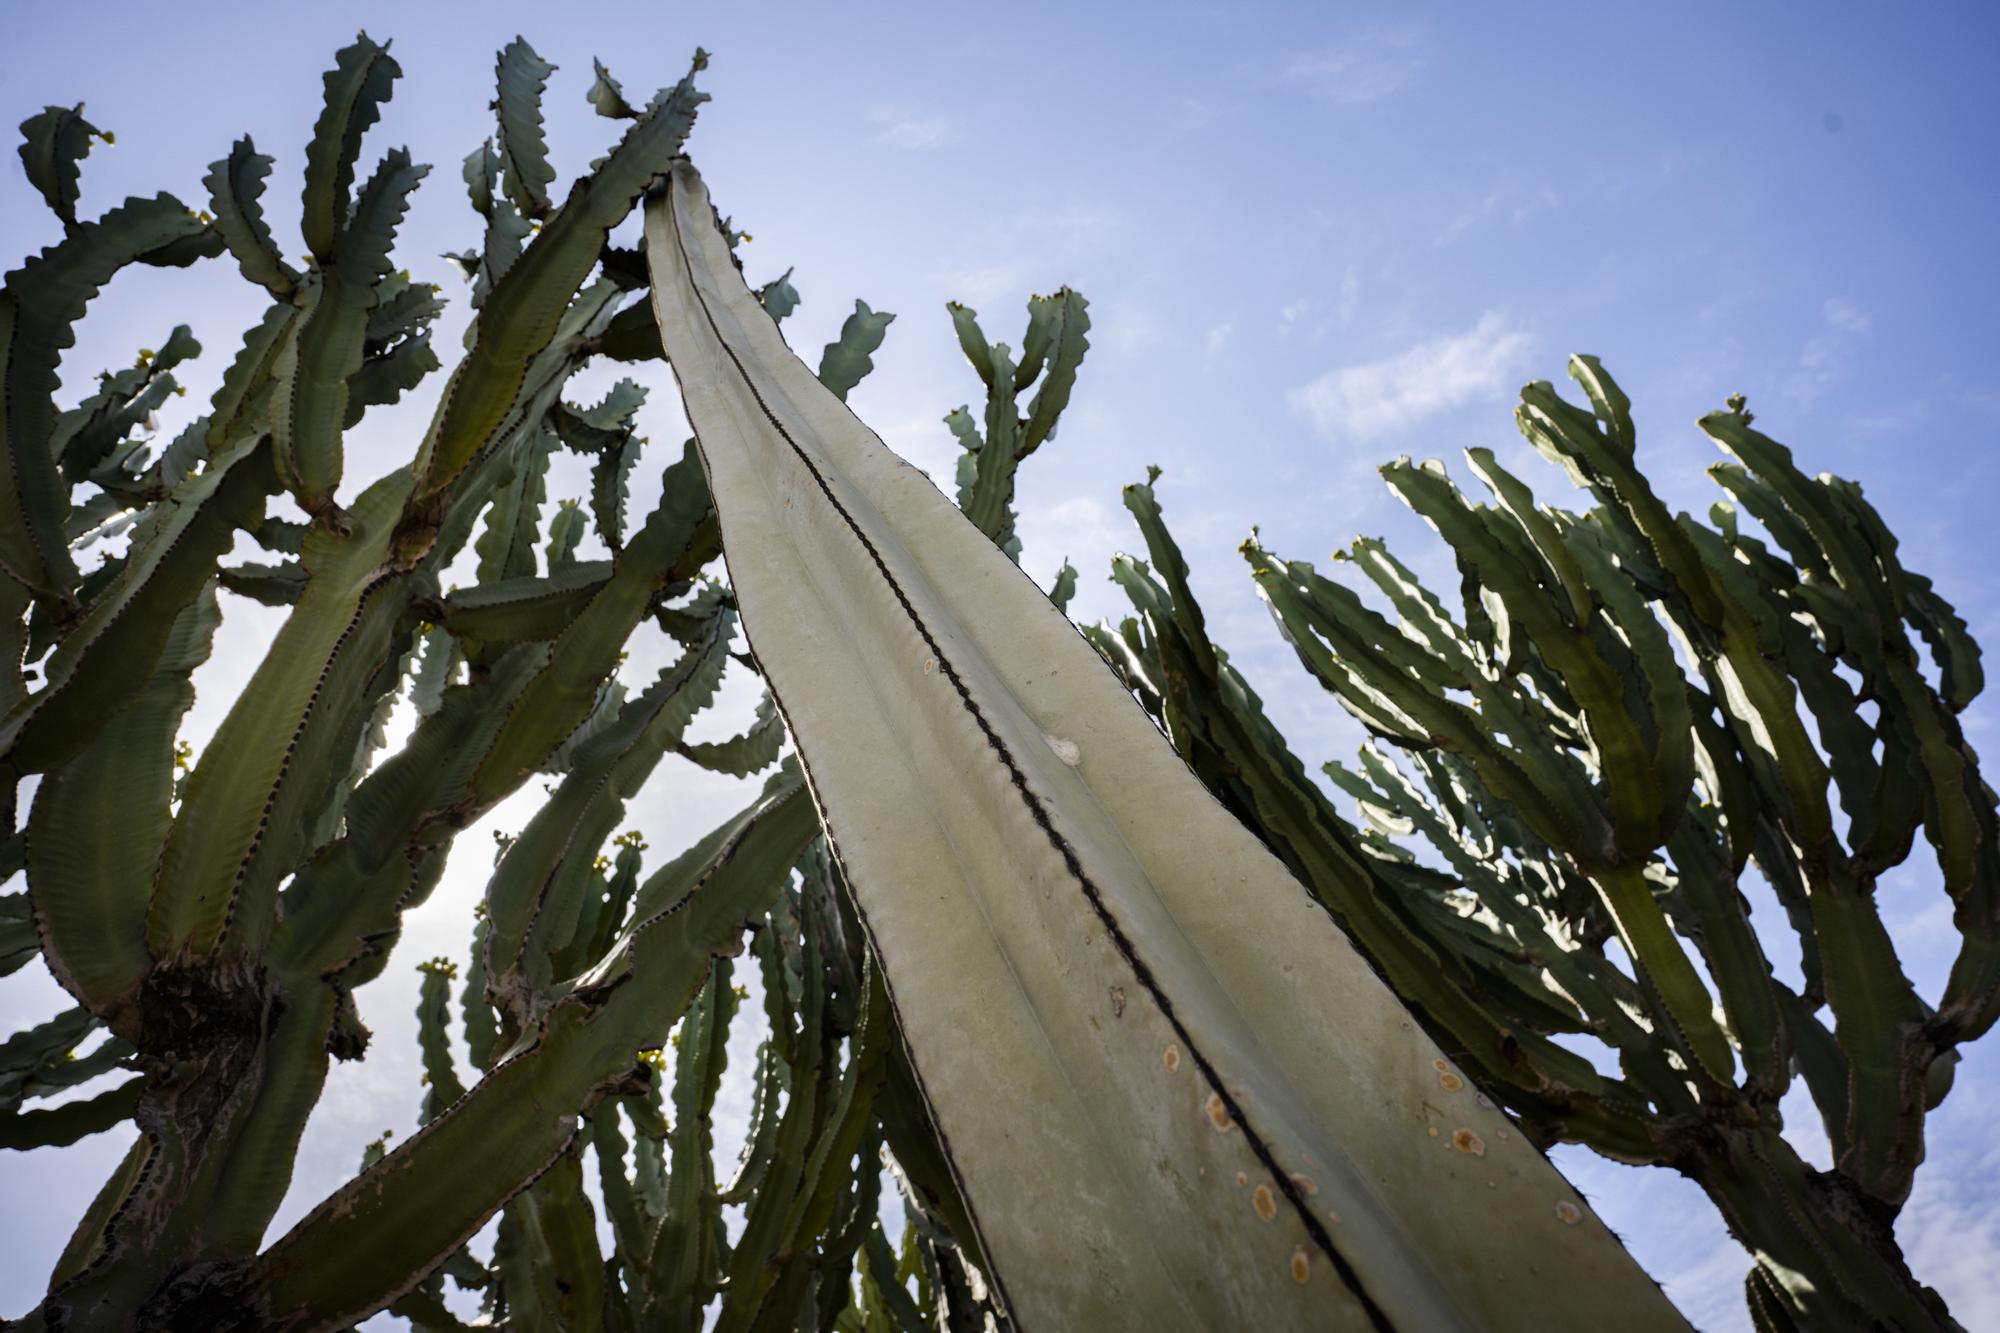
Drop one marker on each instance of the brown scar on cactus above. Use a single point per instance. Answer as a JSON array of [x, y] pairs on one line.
[[1117, 1001], [1305, 1183], [1218, 1112], [1468, 1142], [1569, 1213], [1301, 1265], [1265, 1202], [1447, 1080], [1171, 1057]]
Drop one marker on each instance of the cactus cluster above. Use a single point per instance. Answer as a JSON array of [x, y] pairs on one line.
[[213, 915], [1621, 714], [1102, 1026]]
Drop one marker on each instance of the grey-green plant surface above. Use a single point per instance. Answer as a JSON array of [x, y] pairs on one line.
[[1620, 713], [1129, 1062], [216, 924], [1137, 994]]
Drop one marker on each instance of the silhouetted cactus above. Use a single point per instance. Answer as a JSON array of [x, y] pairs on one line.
[[1624, 711]]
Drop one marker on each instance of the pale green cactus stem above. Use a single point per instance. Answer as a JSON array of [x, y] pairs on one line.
[[1127, 1056]]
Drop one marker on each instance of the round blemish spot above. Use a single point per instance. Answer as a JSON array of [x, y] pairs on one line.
[[1117, 1001], [1265, 1202], [1302, 1265], [1171, 1057], [1569, 1213], [1241, 1180], [1218, 1114], [1450, 1082], [1468, 1142], [930, 665], [1433, 1131], [1067, 751], [1305, 1183], [1485, 1102]]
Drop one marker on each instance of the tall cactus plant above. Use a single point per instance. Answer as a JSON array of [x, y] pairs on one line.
[[214, 924], [1624, 711], [1202, 1157]]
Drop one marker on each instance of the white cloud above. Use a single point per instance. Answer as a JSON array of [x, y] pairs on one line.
[[1218, 339], [1390, 396], [1364, 68], [1824, 356], [911, 130]]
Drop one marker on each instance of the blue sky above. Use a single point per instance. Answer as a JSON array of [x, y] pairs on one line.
[[1314, 237]]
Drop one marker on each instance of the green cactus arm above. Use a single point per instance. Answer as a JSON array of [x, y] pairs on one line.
[[524, 308], [235, 192], [741, 755], [243, 398], [86, 438], [546, 862], [230, 844], [587, 650], [54, 142], [1950, 641], [482, 1030], [514, 610], [606, 97], [1735, 959], [912, 649], [384, 378], [1065, 347], [685, 1261], [846, 360], [524, 151], [362, 79], [309, 408], [441, 1082], [965, 322], [506, 548], [346, 902], [610, 488], [90, 890], [778, 297], [622, 1209], [20, 941], [563, 1285], [40, 304], [566, 529], [379, 1235], [60, 1126], [113, 649]]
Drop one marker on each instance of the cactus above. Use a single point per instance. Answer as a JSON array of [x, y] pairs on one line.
[[214, 945], [1573, 782], [1104, 1008]]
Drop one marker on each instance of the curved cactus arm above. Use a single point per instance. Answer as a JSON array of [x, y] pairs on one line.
[[1106, 1003], [54, 143], [442, 1087], [377, 1236], [688, 1253], [239, 831], [522, 312], [60, 1126], [753, 751], [40, 303], [514, 610], [524, 151], [362, 79], [533, 896], [235, 192], [845, 362], [310, 405], [112, 650], [607, 97], [90, 890]]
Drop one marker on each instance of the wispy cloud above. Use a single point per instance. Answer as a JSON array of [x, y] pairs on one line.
[[1823, 358], [1218, 340], [1364, 68], [914, 130], [1392, 395], [1512, 205]]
